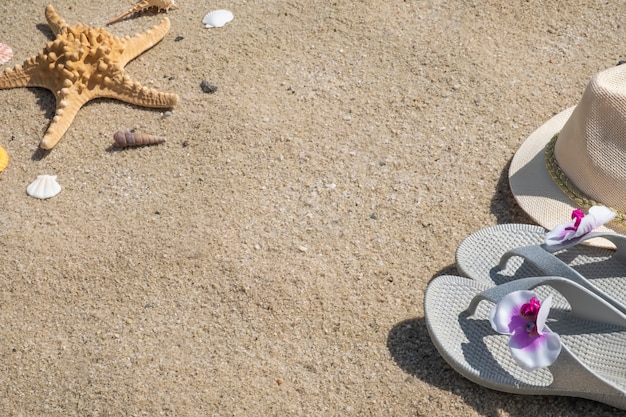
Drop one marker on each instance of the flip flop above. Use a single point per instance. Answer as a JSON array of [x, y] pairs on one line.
[[592, 362], [505, 252]]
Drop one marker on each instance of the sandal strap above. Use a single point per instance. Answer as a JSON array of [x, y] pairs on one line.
[[545, 261], [618, 240], [585, 305], [569, 372]]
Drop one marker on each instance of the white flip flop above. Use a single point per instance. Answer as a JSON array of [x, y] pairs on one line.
[[592, 362], [501, 253]]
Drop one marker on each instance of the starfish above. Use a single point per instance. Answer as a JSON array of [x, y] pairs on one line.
[[84, 63]]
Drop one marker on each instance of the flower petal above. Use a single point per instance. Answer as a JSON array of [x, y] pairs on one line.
[[598, 215], [505, 317], [542, 315], [560, 233], [534, 352]]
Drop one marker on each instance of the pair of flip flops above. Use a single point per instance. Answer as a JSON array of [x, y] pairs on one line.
[[587, 286]]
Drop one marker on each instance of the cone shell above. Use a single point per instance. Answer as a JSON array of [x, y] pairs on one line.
[[45, 186], [6, 53], [126, 139], [4, 158]]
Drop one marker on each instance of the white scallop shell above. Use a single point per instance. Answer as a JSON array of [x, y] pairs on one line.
[[45, 186], [217, 18]]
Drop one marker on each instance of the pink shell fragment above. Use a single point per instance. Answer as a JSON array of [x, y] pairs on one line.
[[6, 53]]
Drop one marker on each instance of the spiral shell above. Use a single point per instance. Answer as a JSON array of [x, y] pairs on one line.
[[4, 158], [126, 139], [143, 5]]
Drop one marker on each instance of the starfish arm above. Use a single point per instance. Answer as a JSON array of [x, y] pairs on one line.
[[36, 72], [135, 93], [140, 43], [55, 21], [14, 77], [65, 112], [30, 74]]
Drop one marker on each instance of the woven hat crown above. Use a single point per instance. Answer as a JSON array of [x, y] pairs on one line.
[[591, 147]]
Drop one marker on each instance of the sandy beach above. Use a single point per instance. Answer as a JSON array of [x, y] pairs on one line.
[[271, 258]]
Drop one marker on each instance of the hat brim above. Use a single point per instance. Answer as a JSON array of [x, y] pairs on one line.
[[532, 186]]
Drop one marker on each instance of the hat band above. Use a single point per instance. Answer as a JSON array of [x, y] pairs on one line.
[[581, 199]]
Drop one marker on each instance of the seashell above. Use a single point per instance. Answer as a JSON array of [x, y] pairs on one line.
[[6, 53], [45, 186], [143, 5], [126, 139], [217, 18], [4, 158]]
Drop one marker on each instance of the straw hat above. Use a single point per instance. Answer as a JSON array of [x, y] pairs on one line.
[[578, 158]]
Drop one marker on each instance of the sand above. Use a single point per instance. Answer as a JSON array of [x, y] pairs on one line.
[[271, 257]]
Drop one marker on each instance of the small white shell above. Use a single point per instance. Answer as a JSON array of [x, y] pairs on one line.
[[45, 186], [217, 18]]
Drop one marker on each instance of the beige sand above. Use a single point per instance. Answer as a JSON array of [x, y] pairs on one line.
[[276, 264]]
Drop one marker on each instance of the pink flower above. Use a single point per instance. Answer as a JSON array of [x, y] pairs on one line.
[[530, 309], [577, 216], [580, 225], [521, 315]]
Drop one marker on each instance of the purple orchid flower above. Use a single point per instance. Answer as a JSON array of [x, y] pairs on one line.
[[580, 225], [521, 315]]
